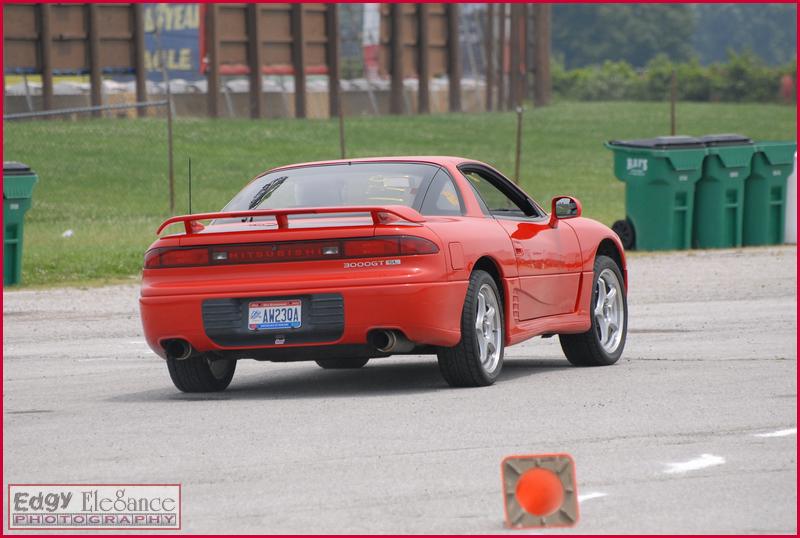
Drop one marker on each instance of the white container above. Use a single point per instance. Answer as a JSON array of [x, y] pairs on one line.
[[790, 231]]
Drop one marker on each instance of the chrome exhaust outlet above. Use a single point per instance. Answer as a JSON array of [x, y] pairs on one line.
[[178, 349], [390, 341]]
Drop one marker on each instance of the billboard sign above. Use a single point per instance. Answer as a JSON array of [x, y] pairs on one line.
[[178, 26]]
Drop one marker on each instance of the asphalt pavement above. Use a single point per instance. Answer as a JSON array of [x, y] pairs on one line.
[[694, 430]]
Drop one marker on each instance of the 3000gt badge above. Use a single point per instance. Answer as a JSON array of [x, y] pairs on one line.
[[371, 263]]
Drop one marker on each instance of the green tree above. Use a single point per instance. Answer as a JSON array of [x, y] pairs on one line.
[[591, 34], [768, 30]]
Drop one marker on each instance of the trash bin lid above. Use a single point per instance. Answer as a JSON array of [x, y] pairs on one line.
[[727, 139], [662, 142], [13, 168]]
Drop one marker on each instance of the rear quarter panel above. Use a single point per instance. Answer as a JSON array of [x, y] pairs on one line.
[[590, 234], [467, 239]]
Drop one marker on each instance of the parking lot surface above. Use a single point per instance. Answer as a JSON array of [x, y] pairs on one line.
[[694, 430]]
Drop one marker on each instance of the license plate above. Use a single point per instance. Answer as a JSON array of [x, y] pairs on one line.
[[272, 315]]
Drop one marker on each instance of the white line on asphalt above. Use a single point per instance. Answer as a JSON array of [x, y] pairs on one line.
[[779, 433], [705, 460], [593, 495]]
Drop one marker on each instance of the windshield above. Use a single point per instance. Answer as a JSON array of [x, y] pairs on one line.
[[355, 184]]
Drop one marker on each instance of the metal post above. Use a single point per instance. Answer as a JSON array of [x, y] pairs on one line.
[[162, 55], [342, 145], [138, 53], [396, 52], [45, 38], [28, 98], [190, 185], [519, 145], [334, 66], [95, 72], [453, 58], [490, 75], [423, 60], [299, 61], [372, 101], [212, 46], [226, 92], [673, 97], [254, 61], [170, 155]]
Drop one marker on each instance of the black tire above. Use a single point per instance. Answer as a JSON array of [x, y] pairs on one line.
[[461, 365], [341, 364], [196, 374], [626, 233], [586, 349]]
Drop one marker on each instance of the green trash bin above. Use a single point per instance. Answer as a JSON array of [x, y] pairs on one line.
[[765, 193], [719, 199], [18, 182], [659, 176]]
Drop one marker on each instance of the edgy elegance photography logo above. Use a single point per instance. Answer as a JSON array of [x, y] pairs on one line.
[[94, 506]]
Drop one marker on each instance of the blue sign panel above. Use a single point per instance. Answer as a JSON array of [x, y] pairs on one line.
[[179, 29]]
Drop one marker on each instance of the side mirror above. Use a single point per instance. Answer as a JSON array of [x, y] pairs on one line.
[[564, 207]]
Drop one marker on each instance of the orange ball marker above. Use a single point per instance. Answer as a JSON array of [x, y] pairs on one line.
[[540, 491]]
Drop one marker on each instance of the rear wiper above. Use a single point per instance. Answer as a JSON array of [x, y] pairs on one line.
[[264, 193]]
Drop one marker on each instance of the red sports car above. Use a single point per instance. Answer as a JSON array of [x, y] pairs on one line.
[[343, 261]]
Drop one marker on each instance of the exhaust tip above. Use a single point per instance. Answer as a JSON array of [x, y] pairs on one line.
[[382, 340], [390, 341], [178, 349]]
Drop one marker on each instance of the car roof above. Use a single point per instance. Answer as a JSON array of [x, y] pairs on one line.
[[440, 160]]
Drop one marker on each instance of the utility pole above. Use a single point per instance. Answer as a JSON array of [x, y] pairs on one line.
[[396, 59], [501, 61], [489, 66], [542, 83], [514, 82]]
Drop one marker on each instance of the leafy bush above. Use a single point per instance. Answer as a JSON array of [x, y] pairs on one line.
[[744, 78]]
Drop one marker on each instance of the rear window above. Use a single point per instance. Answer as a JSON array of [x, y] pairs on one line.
[[339, 185]]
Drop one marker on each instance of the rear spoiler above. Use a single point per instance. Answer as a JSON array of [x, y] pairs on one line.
[[380, 215]]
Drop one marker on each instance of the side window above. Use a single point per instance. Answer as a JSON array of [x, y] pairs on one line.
[[442, 197], [492, 197], [479, 198]]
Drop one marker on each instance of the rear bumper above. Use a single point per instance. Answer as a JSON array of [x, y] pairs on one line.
[[428, 314]]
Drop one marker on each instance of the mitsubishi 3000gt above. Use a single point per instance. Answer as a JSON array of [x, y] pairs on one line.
[[345, 261]]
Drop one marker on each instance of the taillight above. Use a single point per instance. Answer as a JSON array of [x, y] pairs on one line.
[[374, 247], [175, 257], [368, 247], [416, 245], [403, 245]]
